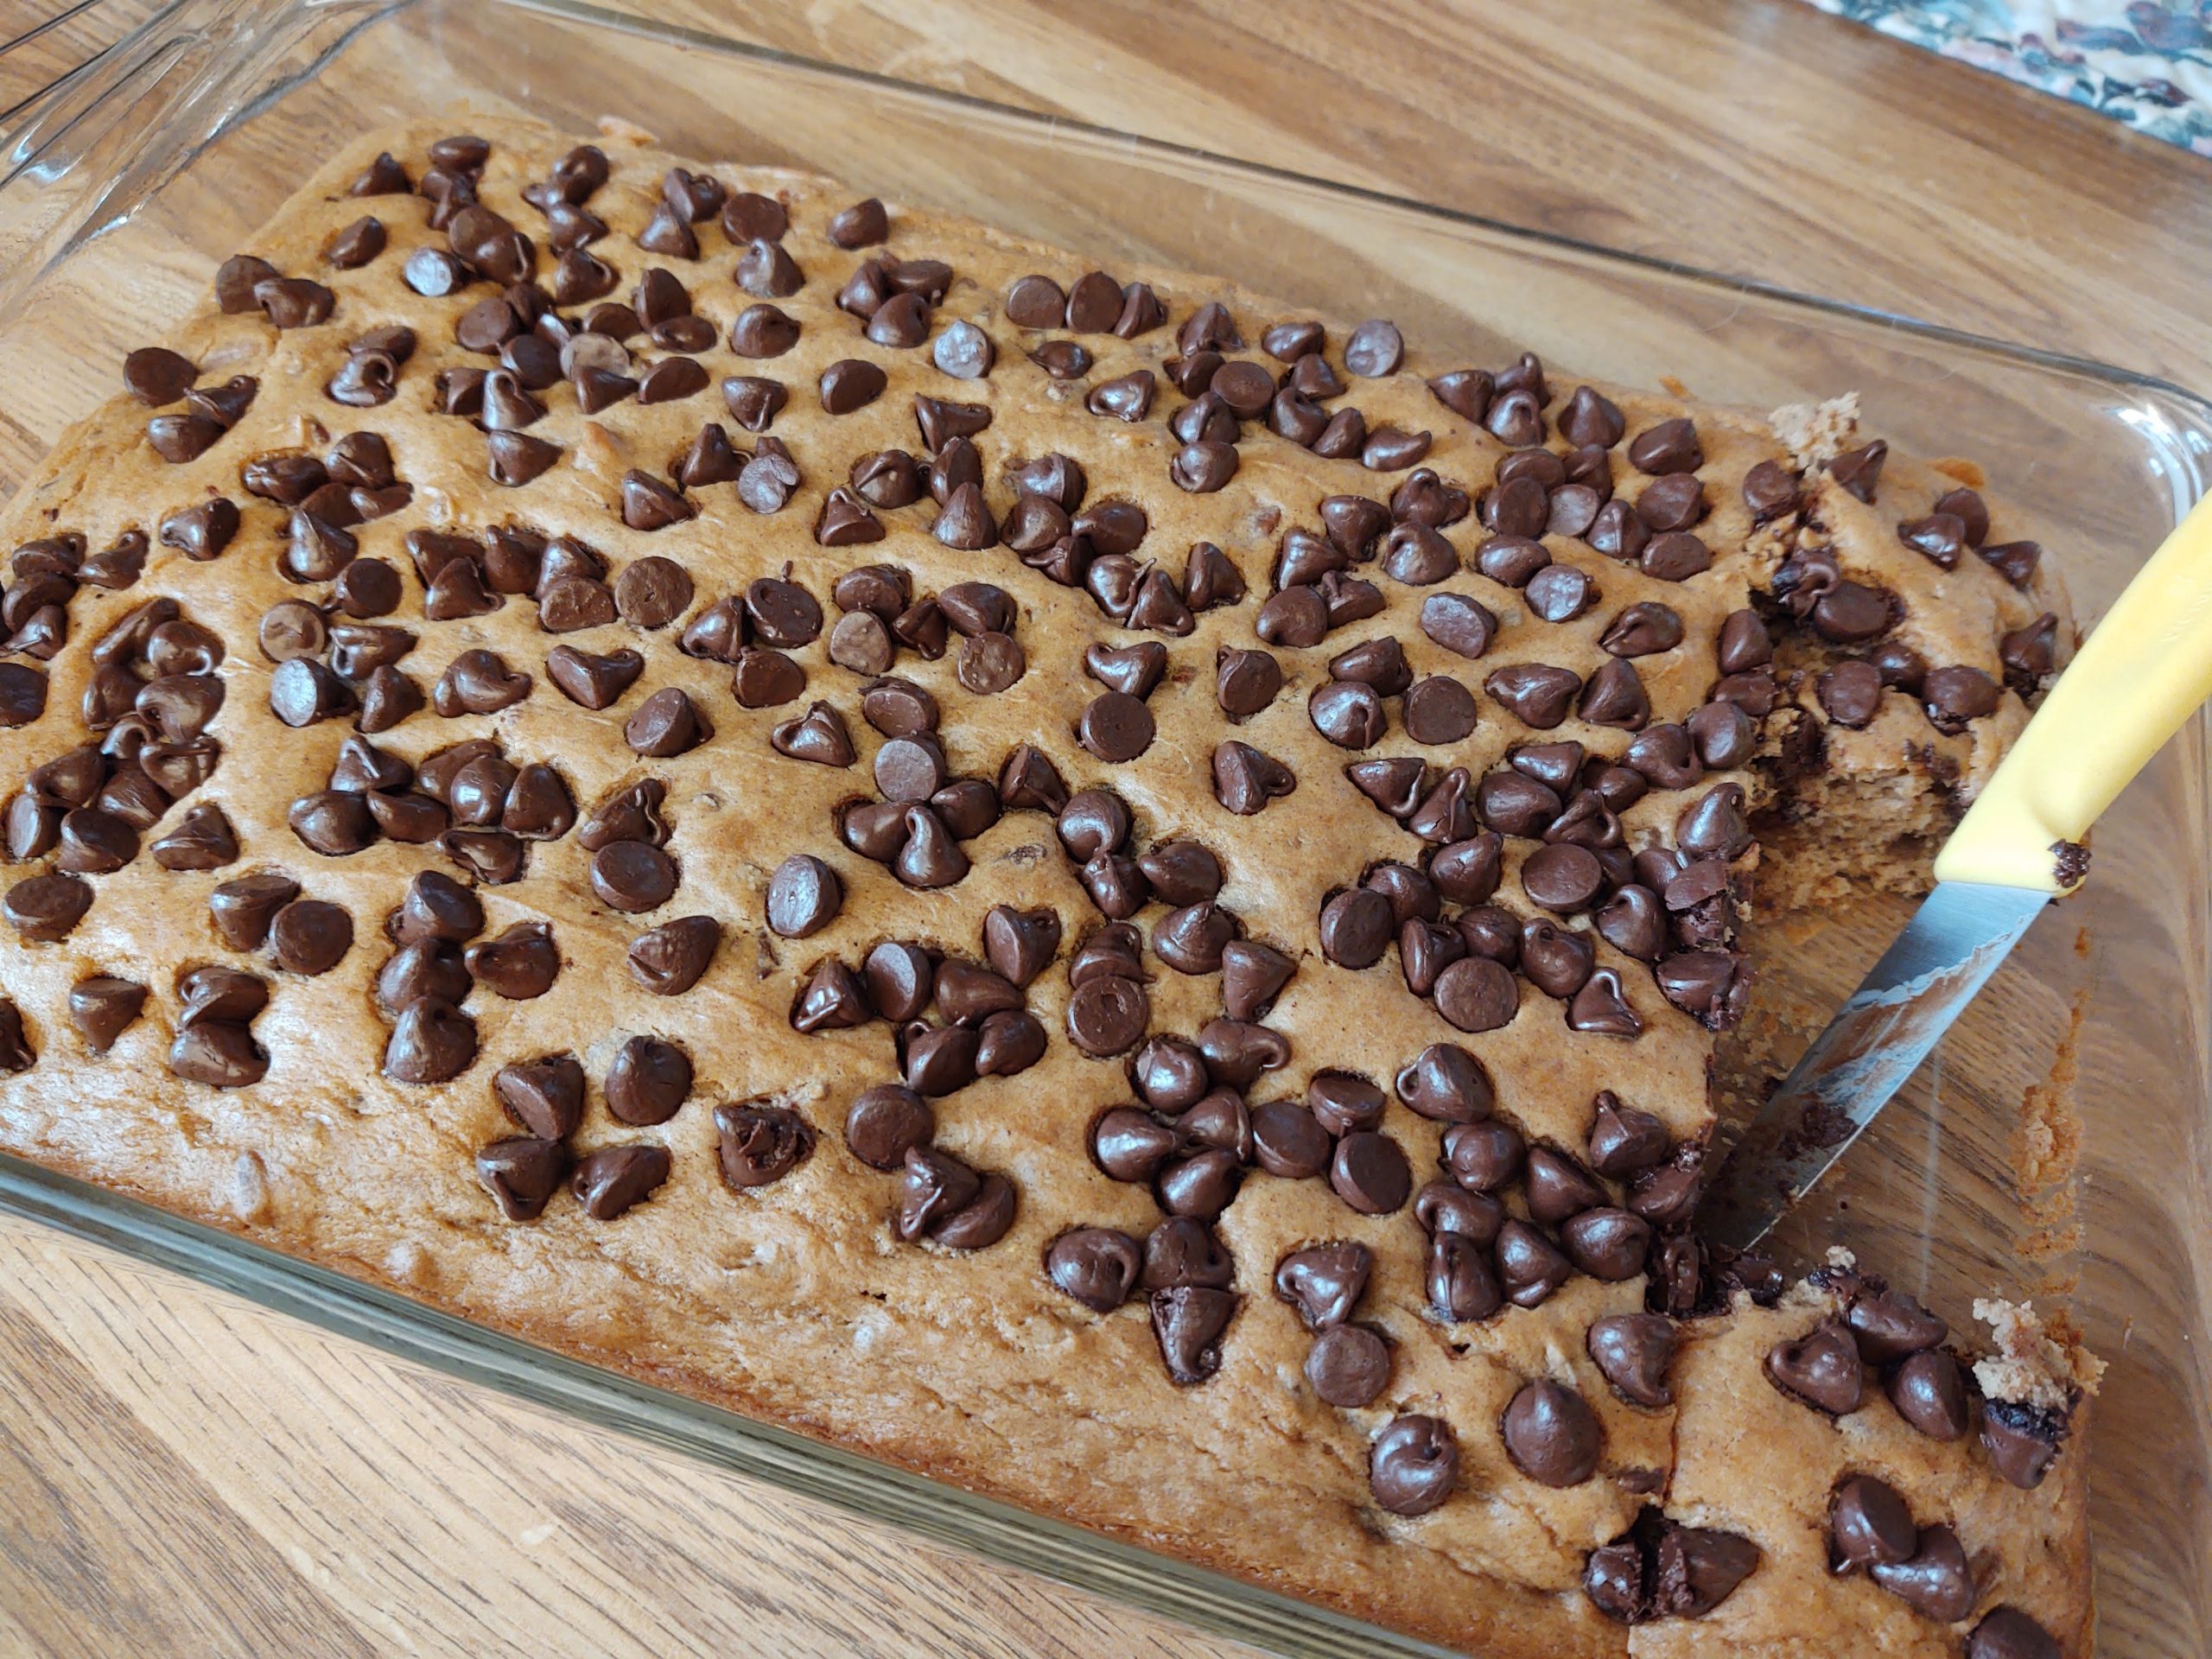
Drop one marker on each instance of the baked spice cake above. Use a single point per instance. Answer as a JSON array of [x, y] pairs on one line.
[[1086, 882]]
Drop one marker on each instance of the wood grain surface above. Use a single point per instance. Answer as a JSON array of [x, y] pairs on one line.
[[183, 1474]]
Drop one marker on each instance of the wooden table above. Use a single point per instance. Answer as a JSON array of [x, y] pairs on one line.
[[181, 1473]]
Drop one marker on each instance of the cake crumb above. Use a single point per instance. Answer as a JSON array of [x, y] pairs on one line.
[[1816, 433], [2038, 1362], [249, 1195], [625, 132]]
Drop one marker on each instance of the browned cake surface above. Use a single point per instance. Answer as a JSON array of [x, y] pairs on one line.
[[909, 1312]]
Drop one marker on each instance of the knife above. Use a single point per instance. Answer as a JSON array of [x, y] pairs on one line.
[[2135, 682]]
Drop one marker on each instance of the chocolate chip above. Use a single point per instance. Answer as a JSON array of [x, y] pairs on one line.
[[1517, 418], [1940, 538], [1203, 467], [523, 1175], [155, 376], [667, 724], [2021, 1442], [669, 960], [1461, 1284], [1349, 1365], [1370, 1173], [766, 271], [1131, 1146], [1374, 349], [545, 1097], [1028, 780], [1035, 301], [2014, 561], [1476, 994], [33, 825], [1930, 1393], [615, 1179], [1347, 712], [2029, 654], [937, 1188], [804, 896], [1188, 1322], [1724, 735], [1355, 928], [1714, 825], [759, 1143], [1670, 446], [1323, 1282], [1465, 392], [2008, 1633], [849, 384], [1632, 1351], [1438, 709], [1769, 492], [1563, 877], [754, 402], [1009, 1042], [1821, 1367], [478, 682], [1108, 1015], [1116, 726], [1607, 1243], [102, 1007], [1458, 624], [1672, 503], [310, 936], [1096, 1265], [1125, 398], [293, 301], [1936, 1582], [1559, 593], [46, 907], [1869, 1524], [1444, 814], [432, 1041], [518, 963], [1529, 1266], [1953, 696], [1688, 1572], [1200, 1186], [93, 842], [1675, 556], [1857, 471], [962, 351], [1591, 417], [589, 681], [1414, 1466], [764, 331], [901, 321], [201, 841], [1551, 1434], [1537, 693], [931, 857]]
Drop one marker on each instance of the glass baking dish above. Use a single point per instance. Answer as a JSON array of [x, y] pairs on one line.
[[2056, 1143]]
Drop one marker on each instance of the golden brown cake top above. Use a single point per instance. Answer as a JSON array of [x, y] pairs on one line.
[[1072, 878]]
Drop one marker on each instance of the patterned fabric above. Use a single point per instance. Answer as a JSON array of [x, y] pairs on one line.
[[2148, 63]]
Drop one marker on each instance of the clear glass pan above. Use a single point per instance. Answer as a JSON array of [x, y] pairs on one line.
[[141, 170]]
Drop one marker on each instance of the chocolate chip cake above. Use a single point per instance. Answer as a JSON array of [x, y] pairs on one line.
[[1087, 883]]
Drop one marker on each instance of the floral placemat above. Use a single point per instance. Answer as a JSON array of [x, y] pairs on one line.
[[2148, 64]]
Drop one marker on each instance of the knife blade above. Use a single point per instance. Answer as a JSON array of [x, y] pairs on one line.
[[1946, 952], [2144, 672]]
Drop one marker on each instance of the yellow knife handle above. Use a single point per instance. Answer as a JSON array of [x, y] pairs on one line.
[[2137, 679]]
